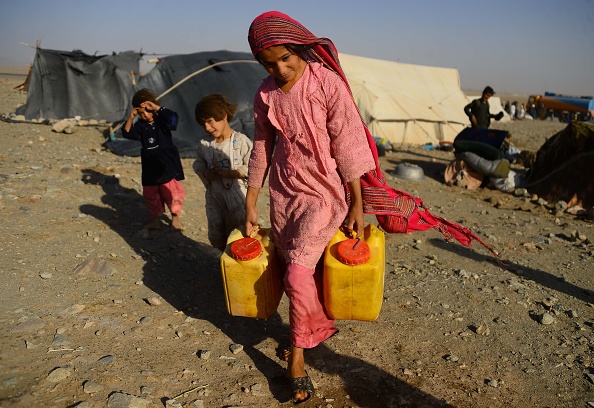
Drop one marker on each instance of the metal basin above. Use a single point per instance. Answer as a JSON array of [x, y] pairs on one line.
[[446, 146], [408, 171]]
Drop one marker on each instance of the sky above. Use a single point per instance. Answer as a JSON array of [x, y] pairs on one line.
[[515, 46]]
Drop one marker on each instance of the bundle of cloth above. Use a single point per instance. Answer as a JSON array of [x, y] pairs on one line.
[[479, 156]]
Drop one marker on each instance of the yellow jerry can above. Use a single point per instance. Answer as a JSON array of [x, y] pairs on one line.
[[251, 278], [354, 275]]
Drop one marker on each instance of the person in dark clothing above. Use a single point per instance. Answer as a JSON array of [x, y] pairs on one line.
[[478, 110], [161, 165]]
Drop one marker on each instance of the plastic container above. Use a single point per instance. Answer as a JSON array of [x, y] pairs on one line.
[[251, 278], [354, 285]]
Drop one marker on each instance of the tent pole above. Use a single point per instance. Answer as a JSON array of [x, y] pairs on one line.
[[112, 132], [200, 71]]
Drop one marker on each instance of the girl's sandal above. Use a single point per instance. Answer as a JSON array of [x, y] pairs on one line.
[[302, 384]]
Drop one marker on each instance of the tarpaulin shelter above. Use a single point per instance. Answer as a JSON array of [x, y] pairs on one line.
[[402, 103], [66, 84], [406, 103], [563, 167], [182, 80]]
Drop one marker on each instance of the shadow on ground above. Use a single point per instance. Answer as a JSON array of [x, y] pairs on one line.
[[543, 278], [186, 274]]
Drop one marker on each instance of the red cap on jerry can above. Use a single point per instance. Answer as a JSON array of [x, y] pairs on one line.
[[245, 249], [353, 252]]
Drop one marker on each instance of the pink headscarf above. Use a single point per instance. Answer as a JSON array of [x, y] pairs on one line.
[[396, 211]]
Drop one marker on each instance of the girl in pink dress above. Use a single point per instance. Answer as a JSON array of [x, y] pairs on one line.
[[324, 173], [307, 111]]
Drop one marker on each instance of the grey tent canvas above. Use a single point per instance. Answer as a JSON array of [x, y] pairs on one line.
[[236, 75], [69, 84]]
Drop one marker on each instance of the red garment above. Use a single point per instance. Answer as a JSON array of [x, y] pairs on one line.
[[310, 142], [310, 325], [395, 210], [171, 194]]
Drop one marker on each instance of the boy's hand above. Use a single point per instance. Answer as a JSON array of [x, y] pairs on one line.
[[150, 106], [209, 174], [222, 171], [225, 173], [130, 120]]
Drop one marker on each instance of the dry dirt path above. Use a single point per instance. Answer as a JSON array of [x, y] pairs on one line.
[[146, 319]]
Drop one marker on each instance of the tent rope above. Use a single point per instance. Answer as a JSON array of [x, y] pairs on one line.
[[200, 71], [184, 80]]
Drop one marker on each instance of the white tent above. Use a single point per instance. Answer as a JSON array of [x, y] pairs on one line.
[[405, 103]]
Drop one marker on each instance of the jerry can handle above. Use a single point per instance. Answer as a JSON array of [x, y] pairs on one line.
[[348, 232], [255, 230]]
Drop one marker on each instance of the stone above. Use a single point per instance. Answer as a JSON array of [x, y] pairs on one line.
[[74, 309], [64, 126], [122, 400], [576, 210], [171, 403], [483, 330], [236, 348], [451, 357], [153, 301], [29, 325], [145, 320], [9, 382], [30, 345], [546, 319], [91, 387], [58, 374], [96, 266], [60, 340], [108, 359], [560, 206]]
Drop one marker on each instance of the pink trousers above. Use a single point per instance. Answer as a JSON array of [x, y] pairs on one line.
[[171, 194], [308, 321]]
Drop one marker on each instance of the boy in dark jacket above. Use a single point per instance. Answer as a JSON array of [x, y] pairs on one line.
[[161, 165], [478, 110]]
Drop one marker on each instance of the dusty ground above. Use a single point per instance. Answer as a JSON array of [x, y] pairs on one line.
[[456, 328]]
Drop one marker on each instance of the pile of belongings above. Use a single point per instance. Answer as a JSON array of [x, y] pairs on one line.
[[383, 145], [563, 169], [479, 155]]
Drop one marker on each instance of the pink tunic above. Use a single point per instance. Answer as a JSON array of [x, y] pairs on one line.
[[321, 144]]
